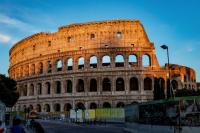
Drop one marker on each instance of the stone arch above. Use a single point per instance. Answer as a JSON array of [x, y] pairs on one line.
[[93, 85], [134, 84], [30, 107], [147, 83], [21, 71], [38, 108], [67, 107], [80, 105], [93, 105], [120, 84], [48, 88], [106, 61], [119, 61], [59, 65], [132, 60], [69, 86], [32, 69], [106, 105], [106, 84], [47, 108], [81, 63], [39, 88], [146, 60], [80, 85], [27, 70], [70, 64], [58, 87], [57, 107], [40, 68], [31, 90], [174, 84], [49, 67], [93, 62], [120, 105], [25, 90]]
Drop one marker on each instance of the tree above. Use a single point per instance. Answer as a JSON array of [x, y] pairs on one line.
[[187, 92], [158, 90], [8, 93]]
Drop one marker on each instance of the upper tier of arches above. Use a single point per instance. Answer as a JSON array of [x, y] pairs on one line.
[[75, 37]]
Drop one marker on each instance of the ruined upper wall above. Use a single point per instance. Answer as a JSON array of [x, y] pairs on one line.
[[93, 35]]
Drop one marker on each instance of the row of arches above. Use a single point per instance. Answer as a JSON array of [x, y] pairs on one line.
[[60, 65], [57, 106], [80, 86]]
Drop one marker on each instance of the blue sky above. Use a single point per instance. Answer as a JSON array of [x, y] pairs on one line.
[[171, 22]]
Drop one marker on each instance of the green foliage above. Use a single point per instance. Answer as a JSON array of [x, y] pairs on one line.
[[8, 93], [187, 92]]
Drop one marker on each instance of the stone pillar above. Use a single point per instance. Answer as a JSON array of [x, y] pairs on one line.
[[113, 84], [73, 86], [64, 86]]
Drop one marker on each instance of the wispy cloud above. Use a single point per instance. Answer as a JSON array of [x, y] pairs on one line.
[[4, 38], [16, 23]]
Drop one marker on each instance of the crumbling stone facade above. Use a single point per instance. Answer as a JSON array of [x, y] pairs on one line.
[[90, 65]]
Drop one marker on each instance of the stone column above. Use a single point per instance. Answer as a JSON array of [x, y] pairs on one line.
[[64, 86]]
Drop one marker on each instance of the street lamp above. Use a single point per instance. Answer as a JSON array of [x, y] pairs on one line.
[[166, 47]]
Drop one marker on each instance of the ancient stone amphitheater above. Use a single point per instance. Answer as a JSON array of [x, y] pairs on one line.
[[90, 65]]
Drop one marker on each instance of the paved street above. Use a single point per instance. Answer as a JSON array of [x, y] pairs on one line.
[[61, 127]]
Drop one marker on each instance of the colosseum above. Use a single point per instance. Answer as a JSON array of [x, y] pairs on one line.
[[91, 65]]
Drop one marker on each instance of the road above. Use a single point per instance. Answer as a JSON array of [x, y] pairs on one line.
[[61, 127]]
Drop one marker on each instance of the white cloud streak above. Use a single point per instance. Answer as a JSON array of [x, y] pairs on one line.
[[16, 23], [4, 38]]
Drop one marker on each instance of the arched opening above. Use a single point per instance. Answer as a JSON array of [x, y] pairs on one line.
[[27, 70], [120, 84], [30, 107], [134, 84], [21, 72], [38, 108], [106, 105], [120, 105], [24, 90], [132, 61], [146, 60], [80, 85], [70, 64], [119, 61], [59, 65], [69, 86], [57, 107], [31, 92], [93, 85], [118, 35], [174, 84], [93, 106], [106, 60], [48, 88], [106, 84], [47, 108], [33, 69], [40, 68], [92, 36], [39, 87], [93, 62], [147, 83], [49, 69], [67, 107], [80, 106], [81, 63], [58, 87]]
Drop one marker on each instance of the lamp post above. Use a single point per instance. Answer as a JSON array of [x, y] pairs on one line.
[[166, 47]]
